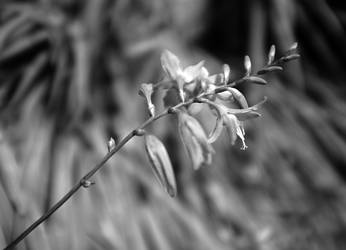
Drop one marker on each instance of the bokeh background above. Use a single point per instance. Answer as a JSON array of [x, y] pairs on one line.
[[70, 71]]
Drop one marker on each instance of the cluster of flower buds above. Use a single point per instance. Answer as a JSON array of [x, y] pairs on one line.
[[193, 88]]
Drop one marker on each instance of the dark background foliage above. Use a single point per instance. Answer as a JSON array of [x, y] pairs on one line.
[[69, 77]]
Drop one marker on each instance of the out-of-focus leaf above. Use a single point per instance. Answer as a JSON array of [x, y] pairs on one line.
[[10, 176], [23, 45]]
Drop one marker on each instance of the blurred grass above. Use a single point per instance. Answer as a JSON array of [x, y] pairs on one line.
[[69, 75]]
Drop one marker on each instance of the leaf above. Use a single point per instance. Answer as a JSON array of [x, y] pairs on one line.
[[239, 97], [171, 64], [161, 164], [10, 176]]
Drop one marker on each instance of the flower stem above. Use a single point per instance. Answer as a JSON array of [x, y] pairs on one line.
[[86, 177], [82, 182]]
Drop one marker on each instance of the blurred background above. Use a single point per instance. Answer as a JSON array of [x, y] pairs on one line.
[[70, 71]]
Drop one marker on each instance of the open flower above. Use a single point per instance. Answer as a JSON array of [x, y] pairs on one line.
[[233, 120], [171, 65]]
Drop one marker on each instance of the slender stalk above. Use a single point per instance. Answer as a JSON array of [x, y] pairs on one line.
[[86, 177], [83, 181]]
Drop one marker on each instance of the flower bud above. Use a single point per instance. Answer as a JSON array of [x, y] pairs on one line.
[[171, 64], [247, 65], [194, 140], [226, 72], [111, 144], [161, 164], [271, 54], [146, 91]]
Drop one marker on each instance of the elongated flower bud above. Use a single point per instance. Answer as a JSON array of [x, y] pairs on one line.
[[247, 65], [161, 164], [111, 144], [195, 140], [226, 72], [271, 54], [146, 91]]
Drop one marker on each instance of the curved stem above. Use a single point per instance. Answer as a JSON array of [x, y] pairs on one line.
[[87, 176], [82, 182]]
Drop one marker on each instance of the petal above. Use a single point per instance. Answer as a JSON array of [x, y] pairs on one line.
[[230, 122], [247, 113], [171, 64], [192, 72], [195, 108], [216, 79], [216, 132]]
